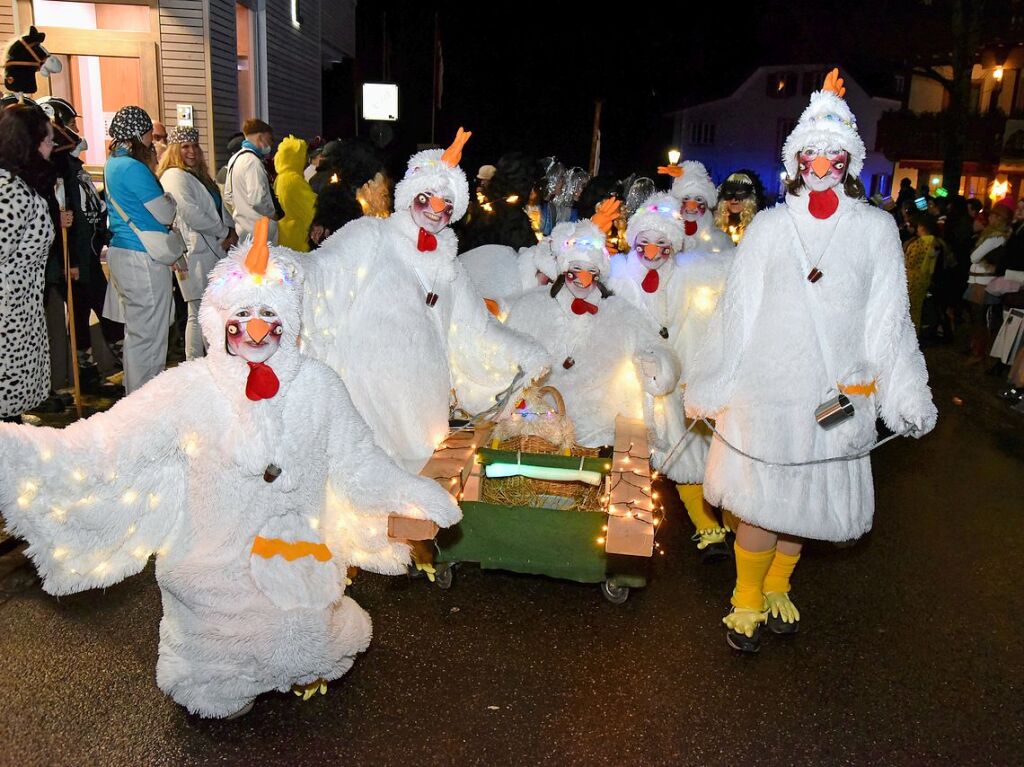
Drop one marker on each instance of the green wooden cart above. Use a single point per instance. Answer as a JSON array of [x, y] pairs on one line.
[[537, 540]]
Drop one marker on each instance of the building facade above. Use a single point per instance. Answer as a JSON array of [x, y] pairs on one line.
[[210, 63], [914, 137], [748, 128]]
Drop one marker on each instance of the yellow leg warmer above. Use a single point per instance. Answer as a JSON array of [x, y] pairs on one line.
[[777, 579], [751, 567], [692, 497]]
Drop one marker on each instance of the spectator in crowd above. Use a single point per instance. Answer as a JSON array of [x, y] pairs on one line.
[[483, 179], [87, 236], [297, 199], [247, 190], [233, 145], [952, 267], [159, 141], [26, 232], [501, 218], [920, 254], [906, 193], [351, 182], [977, 211], [137, 204], [984, 259], [202, 220]]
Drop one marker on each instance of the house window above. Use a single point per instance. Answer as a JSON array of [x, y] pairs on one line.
[[813, 81], [75, 15], [702, 134], [781, 85], [247, 46], [900, 83]]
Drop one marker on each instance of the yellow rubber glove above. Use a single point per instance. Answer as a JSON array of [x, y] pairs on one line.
[[307, 691], [743, 620], [780, 606], [427, 569]]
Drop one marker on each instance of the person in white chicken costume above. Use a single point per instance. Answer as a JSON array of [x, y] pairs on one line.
[[697, 197], [390, 308], [244, 472], [678, 291], [604, 353], [501, 274], [811, 341]]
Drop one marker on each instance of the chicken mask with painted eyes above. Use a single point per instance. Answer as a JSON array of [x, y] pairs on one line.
[[581, 280], [693, 208], [823, 169], [652, 248], [253, 333], [431, 212]]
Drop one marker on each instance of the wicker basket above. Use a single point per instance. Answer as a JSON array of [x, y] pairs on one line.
[[524, 491]]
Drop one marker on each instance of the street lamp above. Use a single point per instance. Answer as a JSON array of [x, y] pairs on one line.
[[997, 75], [673, 156]]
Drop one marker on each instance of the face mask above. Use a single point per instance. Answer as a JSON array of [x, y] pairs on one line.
[[265, 151], [82, 146], [823, 169], [253, 333], [431, 212], [652, 249], [581, 280]]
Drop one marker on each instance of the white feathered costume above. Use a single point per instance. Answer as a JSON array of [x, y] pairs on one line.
[[780, 345], [679, 298], [367, 316], [251, 571], [700, 234], [597, 359], [502, 274]]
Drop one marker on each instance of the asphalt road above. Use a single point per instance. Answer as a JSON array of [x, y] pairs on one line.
[[910, 649]]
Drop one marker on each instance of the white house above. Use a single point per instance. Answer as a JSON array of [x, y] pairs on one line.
[[748, 128]]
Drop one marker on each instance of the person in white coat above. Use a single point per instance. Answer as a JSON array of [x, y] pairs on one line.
[[247, 190], [245, 490], [678, 292], [697, 196], [604, 353], [390, 308], [812, 340], [202, 220]]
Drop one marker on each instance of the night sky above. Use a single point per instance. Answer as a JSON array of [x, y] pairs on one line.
[[526, 76]]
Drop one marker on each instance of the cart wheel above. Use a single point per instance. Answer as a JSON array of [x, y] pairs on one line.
[[444, 576], [615, 594]]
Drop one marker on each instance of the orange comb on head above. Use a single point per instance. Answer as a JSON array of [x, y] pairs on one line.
[[834, 83], [259, 253], [606, 214], [675, 171], [453, 155]]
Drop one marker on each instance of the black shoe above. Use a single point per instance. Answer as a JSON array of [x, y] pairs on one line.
[[999, 369], [714, 552], [779, 626], [742, 642], [52, 404]]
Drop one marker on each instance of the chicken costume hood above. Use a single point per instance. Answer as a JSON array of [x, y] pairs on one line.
[[391, 309], [248, 473], [697, 197], [677, 292], [604, 354]]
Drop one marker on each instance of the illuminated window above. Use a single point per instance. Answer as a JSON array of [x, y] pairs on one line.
[[97, 86], [75, 15], [781, 85]]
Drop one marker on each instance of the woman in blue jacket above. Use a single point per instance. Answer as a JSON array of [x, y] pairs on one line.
[[142, 284]]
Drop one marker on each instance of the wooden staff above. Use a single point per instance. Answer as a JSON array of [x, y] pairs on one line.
[[70, 300]]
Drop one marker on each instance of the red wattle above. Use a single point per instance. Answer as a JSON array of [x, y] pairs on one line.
[[579, 306], [262, 382], [690, 227], [426, 241], [650, 283], [823, 204]]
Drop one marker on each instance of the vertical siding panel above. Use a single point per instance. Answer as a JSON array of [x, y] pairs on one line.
[[294, 69], [224, 74], [182, 26]]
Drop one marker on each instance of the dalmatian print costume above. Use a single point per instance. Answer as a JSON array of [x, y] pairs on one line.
[[26, 232]]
